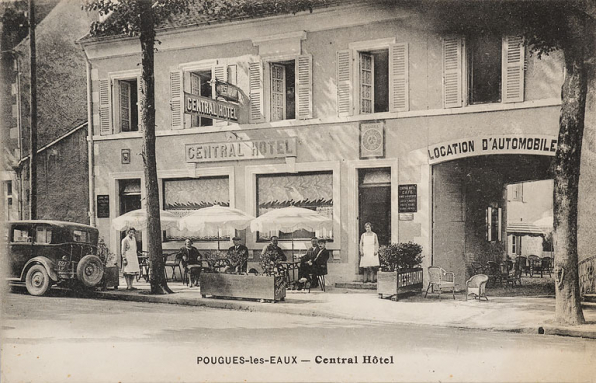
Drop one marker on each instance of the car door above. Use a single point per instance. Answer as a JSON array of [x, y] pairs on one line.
[[20, 248]]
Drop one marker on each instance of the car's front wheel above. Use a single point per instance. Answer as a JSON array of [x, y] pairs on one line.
[[90, 270], [37, 280]]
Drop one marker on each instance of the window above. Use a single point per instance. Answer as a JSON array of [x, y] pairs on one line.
[[43, 235], [185, 195], [21, 235], [80, 236], [516, 244], [374, 81], [307, 190], [493, 224], [372, 77], [283, 96], [200, 85], [515, 192], [126, 112], [482, 68]]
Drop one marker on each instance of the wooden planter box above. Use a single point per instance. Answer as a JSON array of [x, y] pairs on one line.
[[391, 284], [271, 289]]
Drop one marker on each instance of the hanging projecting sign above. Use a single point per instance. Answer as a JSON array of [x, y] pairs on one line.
[[506, 144], [227, 91], [241, 150], [208, 107]]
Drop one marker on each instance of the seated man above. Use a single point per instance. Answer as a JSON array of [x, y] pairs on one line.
[[306, 263], [191, 261], [238, 256], [320, 262]]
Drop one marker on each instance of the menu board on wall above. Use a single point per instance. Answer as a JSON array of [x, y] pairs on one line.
[[407, 198], [103, 206]]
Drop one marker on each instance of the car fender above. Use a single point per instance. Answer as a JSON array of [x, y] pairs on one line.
[[46, 262]]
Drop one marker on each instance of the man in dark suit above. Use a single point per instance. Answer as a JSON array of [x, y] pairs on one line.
[[191, 261], [238, 256], [306, 263], [319, 266]]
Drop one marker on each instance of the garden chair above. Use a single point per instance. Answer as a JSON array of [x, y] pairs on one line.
[[477, 286], [547, 266], [535, 265], [440, 279], [494, 272], [523, 263], [174, 261], [515, 276]]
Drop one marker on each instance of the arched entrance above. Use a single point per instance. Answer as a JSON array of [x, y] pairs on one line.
[[469, 206]]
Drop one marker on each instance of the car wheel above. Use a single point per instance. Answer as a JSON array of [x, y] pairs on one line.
[[90, 270], [37, 280]]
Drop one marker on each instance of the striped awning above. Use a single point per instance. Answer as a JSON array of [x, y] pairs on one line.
[[523, 228]]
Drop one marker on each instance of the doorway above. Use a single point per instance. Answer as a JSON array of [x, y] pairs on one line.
[[374, 202]]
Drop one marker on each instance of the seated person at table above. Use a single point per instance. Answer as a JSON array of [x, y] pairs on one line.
[[319, 266], [191, 261], [238, 256], [306, 263]]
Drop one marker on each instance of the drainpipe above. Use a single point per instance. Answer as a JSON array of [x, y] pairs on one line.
[[90, 146]]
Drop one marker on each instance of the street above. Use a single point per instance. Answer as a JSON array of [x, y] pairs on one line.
[[63, 338]]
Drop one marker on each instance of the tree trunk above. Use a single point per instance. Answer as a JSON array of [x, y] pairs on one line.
[[147, 37], [566, 175]]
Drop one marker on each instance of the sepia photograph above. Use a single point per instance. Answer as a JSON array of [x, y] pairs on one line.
[[298, 191]]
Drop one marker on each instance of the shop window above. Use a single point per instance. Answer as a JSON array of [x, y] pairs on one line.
[[201, 85], [307, 190], [126, 109], [185, 195], [374, 81], [283, 97]]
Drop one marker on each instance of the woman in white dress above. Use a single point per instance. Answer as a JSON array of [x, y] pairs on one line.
[[369, 252], [130, 262]]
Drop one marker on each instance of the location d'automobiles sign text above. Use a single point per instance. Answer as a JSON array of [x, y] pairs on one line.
[[505, 144]]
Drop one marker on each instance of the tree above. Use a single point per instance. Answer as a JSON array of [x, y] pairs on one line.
[[568, 27], [139, 18]]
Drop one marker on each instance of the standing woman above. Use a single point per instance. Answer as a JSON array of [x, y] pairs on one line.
[[130, 262], [369, 252]]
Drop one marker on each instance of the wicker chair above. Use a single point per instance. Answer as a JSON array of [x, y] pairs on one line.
[[477, 286], [535, 265], [440, 279]]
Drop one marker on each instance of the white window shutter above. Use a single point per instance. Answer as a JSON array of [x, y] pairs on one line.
[[513, 69], [255, 74], [176, 99], [452, 72], [105, 115], [220, 73], [304, 87], [140, 102], [398, 78], [344, 83]]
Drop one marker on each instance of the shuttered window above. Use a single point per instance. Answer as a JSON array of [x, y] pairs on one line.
[[126, 113], [513, 69], [344, 82], [278, 92], [452, 72], [399, 100], [367, 92], [255, 74], [176, 99], [105, 115], [304, 87]]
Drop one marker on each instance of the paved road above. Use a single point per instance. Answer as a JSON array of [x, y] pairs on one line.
[[62, 338]]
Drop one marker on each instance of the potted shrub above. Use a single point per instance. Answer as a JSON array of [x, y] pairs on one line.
[[267, 287], [111, 273], [400, 269]]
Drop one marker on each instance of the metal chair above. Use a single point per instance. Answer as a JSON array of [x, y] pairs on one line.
[[477, 286], [547, 266], [173, 260], [523, 263], [494, 272], [514, 277], [535, 265], [440, 279]]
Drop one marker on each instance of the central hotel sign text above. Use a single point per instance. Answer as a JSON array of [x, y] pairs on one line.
[[241, 150], [509, 144]]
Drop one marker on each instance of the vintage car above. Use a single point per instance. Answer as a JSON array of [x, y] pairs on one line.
[[42, 253]]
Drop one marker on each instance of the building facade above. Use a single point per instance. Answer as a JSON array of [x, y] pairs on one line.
[[364, 112]]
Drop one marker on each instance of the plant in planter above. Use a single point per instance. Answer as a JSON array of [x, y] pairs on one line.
[[400, 269]]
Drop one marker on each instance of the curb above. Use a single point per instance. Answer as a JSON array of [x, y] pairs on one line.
[[273, 308]]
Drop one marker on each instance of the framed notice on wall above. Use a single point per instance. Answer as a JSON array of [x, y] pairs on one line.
[[372, 140], [407, 198], [103, 206]]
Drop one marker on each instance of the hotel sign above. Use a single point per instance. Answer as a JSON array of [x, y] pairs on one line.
[[241, 150], [208, 107], [505, 144]]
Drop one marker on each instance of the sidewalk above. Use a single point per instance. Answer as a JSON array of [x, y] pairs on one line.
[[532, 315]]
